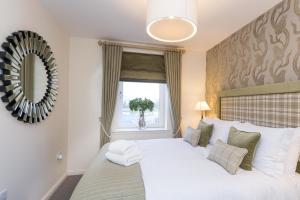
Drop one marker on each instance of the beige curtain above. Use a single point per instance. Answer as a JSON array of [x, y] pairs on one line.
[[112, 57], [173, 76]]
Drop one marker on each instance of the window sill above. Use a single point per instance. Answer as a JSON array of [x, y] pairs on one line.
[[137, 130]]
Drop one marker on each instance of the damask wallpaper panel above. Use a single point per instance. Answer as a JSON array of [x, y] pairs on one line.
[[265, 51]]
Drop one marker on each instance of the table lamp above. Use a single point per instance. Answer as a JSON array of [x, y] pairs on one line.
[[202, 106]]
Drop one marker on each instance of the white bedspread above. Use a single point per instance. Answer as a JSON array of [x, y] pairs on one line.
[[174, 170]]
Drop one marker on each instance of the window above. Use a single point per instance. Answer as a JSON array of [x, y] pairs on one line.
[[126, 119]]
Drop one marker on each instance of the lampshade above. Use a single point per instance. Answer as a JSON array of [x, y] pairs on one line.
[[202, 105], [172, 20]]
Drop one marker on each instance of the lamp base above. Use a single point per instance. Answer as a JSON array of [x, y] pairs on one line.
[[202, 114]]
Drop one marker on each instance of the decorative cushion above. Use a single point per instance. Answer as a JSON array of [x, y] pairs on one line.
[[206, 132], [192, 136], [247, 140], [228, 156]]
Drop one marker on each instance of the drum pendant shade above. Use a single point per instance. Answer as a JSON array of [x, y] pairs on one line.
[[172, 20]]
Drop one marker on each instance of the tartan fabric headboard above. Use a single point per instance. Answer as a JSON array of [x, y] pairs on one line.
[[273, 110], [276, 105]]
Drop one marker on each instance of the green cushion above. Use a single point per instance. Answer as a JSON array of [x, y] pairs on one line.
[[206, 132], [245, 140], [298, 168]]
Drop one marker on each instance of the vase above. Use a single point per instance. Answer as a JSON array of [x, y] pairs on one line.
[[142, 123]]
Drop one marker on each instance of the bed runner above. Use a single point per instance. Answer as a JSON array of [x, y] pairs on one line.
[[105, 180]]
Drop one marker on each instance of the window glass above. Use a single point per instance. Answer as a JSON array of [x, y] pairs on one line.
[[124, 118]]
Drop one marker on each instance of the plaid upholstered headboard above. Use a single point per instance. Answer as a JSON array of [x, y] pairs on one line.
[[271, 110], [276, 105]]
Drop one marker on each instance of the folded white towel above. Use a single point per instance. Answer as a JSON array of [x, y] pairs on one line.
[[126, 159], [122, 147]]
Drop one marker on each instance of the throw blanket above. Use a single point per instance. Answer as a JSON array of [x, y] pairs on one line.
[[105, 180]]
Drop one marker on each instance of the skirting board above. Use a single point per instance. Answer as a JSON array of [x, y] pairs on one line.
[[60, 180], [54, 187], [75, 172]]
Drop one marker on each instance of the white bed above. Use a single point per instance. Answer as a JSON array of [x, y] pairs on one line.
[[175, 170], [172, 169]]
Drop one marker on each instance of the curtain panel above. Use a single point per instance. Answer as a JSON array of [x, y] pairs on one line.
[[112, 57], [173, 64], [139, 67]]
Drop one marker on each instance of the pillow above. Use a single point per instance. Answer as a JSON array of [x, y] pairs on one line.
[[220, 130], [228, 156], [192, 136], [293, 154], [273, 148], [206, 131], [245, 140]]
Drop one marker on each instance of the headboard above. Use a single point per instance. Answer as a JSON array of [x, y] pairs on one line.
[[274, 105]]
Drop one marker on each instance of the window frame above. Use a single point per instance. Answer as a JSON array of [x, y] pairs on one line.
[[164, 113]]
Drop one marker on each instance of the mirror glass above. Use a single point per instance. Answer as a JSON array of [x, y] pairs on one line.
[[33, 78]]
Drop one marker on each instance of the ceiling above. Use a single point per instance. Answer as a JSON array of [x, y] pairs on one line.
[[125, 19]]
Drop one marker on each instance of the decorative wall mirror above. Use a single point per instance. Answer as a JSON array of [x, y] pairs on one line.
[[29, 76]]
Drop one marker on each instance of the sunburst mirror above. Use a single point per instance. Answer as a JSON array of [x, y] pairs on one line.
[[29, 76]]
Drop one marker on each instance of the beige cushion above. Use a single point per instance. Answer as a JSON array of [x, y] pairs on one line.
[[192, 136], [206, 132], [229, 157], [247, 140]]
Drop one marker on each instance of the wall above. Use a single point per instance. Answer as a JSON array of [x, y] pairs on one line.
[[28, 152], [263, 52], [193, 87], [85, 73], [30, 167], [84, 105]]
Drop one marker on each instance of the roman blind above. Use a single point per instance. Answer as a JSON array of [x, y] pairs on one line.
[[139, 67]]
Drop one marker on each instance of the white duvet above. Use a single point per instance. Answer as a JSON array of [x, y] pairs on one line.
[[174, 170]]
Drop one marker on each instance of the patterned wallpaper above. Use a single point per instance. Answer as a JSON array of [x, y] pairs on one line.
[[263, 52]]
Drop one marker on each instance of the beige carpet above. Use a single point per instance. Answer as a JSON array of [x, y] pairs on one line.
[[64, 191]]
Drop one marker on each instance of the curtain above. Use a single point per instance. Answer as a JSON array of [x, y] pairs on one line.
[[112, 57], [173, 76]]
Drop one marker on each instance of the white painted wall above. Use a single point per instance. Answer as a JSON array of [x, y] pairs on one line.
[[85, 97], [193, 86], [84, 105], [28, 166]]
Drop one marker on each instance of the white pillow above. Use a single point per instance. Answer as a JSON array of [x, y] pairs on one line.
[[293, 154], [274, 154], [220, 129]]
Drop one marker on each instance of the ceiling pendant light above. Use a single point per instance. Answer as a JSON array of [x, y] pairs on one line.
[[172, 20]]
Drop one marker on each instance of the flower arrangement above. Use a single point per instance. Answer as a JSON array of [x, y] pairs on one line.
[[141, 105]]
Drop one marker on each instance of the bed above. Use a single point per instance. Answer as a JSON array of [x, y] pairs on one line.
[[173, 169]]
